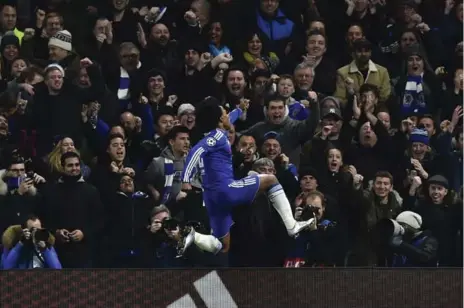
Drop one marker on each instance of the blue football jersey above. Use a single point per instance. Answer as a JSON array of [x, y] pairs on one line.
[[213, 156]]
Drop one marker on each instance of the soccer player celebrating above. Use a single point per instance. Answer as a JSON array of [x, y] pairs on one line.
[[213, 156]]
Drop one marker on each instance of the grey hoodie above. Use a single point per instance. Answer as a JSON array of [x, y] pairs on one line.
[[154, 175], [292, 133]]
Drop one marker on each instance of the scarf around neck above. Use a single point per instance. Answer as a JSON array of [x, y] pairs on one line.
[[413, 98]]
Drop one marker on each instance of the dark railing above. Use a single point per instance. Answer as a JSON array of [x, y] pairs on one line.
[[318, 288]]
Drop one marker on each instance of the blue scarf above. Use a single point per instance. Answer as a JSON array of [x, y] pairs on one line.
[[216, 51], [413, 98], [124, 95], [168, 179]]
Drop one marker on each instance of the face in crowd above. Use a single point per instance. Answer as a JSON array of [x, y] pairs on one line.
[[276, 112]]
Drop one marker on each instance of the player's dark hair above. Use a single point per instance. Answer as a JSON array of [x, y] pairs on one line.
[[208, 114]]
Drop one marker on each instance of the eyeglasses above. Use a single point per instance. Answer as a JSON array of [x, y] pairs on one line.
[[130, 56], [18, 170]]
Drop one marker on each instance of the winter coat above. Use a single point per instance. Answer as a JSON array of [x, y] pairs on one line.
[[16, 255]]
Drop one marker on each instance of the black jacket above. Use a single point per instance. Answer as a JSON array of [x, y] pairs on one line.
[[420, 251], [15, 208], [73, 204], [60, 114], [444, 222], [127, 219]]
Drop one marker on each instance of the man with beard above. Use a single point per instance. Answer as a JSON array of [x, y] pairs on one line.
[[292, 133], [360, 71], [161, 52], [134, 136], [72, 209]]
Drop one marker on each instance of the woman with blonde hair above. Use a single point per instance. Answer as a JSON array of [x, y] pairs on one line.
[[64, 144]]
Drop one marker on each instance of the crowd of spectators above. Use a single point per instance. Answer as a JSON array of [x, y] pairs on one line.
[[355, 106]]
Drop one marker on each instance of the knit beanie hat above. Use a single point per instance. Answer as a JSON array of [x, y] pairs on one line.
[[54, 66], [411, 219], [62, 39], [185, 108], [419, 135], [9, 39]]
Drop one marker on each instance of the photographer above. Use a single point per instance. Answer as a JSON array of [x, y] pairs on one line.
[[18, 193], [172, 240], [403, 243], [29, 246], [324, 244]]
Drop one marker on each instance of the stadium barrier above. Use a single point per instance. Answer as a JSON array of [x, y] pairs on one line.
[[227, 288]]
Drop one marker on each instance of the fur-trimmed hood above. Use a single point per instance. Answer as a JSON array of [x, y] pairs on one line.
[[4, 187], [13, 235]]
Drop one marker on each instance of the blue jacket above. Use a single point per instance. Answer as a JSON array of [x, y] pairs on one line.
[[277, 28], [16, 255], [21, 258]]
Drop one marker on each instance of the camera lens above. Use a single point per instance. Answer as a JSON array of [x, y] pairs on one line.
[[170, 224]]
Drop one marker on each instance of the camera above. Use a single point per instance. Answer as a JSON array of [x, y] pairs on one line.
[[387, 228], [309, 212], [170, 224], [40, 235], [29, 175]]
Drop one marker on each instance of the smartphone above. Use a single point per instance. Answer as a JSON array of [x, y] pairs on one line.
[[14, 182]]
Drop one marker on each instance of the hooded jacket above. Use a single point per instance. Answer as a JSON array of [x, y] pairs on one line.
[[17, 255], [292, 133], [155, 174]]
